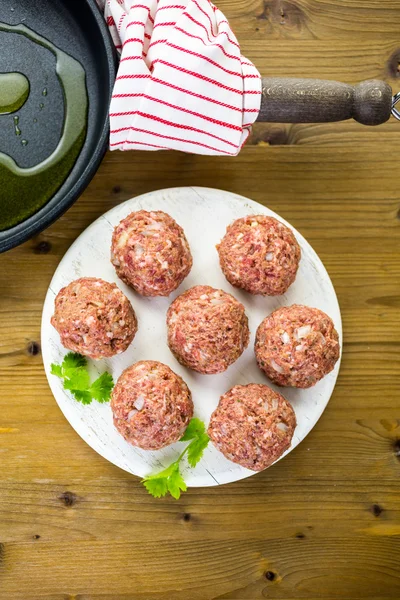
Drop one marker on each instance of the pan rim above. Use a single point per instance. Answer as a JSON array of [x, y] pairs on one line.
[[47, 215]]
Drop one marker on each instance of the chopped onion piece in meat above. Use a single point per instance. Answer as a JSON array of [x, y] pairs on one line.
[[217, 301], [154, 225], [276, 367], [139, 402], [282, 426], [303, 331], [123, 239], [285, 337]]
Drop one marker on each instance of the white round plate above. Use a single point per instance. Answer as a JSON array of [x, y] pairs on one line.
[[204, 215]]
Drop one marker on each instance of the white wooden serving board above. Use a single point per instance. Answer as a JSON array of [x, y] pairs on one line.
[[204, 214]]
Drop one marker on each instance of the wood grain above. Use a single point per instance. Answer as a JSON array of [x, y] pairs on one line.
[[323, 524]]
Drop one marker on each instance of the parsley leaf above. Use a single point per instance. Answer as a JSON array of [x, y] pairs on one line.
[[101, 388], [196, 449], [72, 360], [193, 430], [84, 397], [56, 370], [170, 479], [76, 379], [73, 371], [156, 487], [176, 483]]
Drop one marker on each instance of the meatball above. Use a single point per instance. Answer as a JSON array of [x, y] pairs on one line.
[[260, 255], [207, 329], [252, 426], [94, 318], [151, 405], [297, 346], [150, 253]]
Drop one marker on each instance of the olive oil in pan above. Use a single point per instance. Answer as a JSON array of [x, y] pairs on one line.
[[24, 191], [14, 91], [16, 126]]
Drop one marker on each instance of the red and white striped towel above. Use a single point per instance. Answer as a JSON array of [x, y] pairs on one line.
[[182, 82]]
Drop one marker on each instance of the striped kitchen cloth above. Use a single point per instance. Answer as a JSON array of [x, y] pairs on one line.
[[182, 82]]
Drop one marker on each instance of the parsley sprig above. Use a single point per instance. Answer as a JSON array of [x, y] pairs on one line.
[[73, 371], [170, 479]]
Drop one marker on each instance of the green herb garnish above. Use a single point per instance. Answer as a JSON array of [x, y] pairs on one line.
[[170, 480], [73, 371]]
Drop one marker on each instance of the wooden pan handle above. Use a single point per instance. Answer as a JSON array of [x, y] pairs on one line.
[[286, 100]]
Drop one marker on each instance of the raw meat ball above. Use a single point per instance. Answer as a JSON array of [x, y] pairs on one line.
[[150, 253], [94, 318], [252, 426], [207, 329], [260, 255], [297, 346], [151, 405]]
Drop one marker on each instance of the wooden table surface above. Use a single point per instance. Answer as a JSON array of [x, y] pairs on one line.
[[324, 522]]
